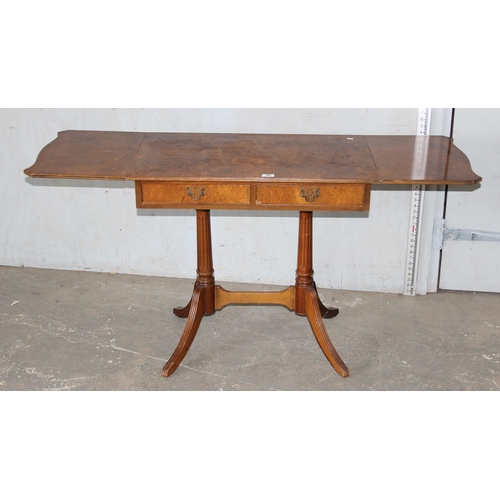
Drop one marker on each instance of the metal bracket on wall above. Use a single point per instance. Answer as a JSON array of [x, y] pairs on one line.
[[442, 234], [454, 234]]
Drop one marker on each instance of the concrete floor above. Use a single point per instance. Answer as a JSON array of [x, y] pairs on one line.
[[70, 330]]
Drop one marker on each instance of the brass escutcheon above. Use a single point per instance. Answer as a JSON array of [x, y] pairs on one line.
[[309, 193], [195, 192]]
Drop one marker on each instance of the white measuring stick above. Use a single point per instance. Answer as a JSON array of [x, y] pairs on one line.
[[417, 197]]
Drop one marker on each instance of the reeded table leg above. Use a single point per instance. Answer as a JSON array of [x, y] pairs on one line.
[[302, 298], [307, 301], [313, 314], [203, 300], [196, 307]]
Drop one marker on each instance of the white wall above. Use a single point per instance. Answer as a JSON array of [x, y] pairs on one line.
[[95, 225], [475, 265]]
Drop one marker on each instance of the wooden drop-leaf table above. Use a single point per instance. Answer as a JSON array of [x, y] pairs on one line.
[[306, 173]]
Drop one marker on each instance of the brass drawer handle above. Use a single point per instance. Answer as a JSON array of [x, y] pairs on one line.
[[309, 194], [195, 192]]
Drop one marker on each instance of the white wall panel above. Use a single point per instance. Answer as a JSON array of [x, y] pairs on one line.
[[95, 225], [475, 265]]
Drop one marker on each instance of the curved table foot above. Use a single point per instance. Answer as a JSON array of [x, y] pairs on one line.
[[195, 314], [326, 312], [183, 312], [314, 315]]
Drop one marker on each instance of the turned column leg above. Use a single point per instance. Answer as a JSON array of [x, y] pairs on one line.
[[305, 271], [203, 299], [205, 268], [304, 277], [307, 301]]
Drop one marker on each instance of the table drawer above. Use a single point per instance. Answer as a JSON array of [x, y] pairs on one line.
[[165, 195], [334, 197]]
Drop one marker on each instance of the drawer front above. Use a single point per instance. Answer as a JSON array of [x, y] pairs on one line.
[[334, 197], [160, 194]]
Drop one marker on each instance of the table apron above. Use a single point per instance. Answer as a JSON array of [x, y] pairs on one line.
[[342, 197]]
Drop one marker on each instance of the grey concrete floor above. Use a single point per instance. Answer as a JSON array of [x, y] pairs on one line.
[[70, 330]]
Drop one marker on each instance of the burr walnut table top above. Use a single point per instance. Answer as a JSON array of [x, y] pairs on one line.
[[254, 158]]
